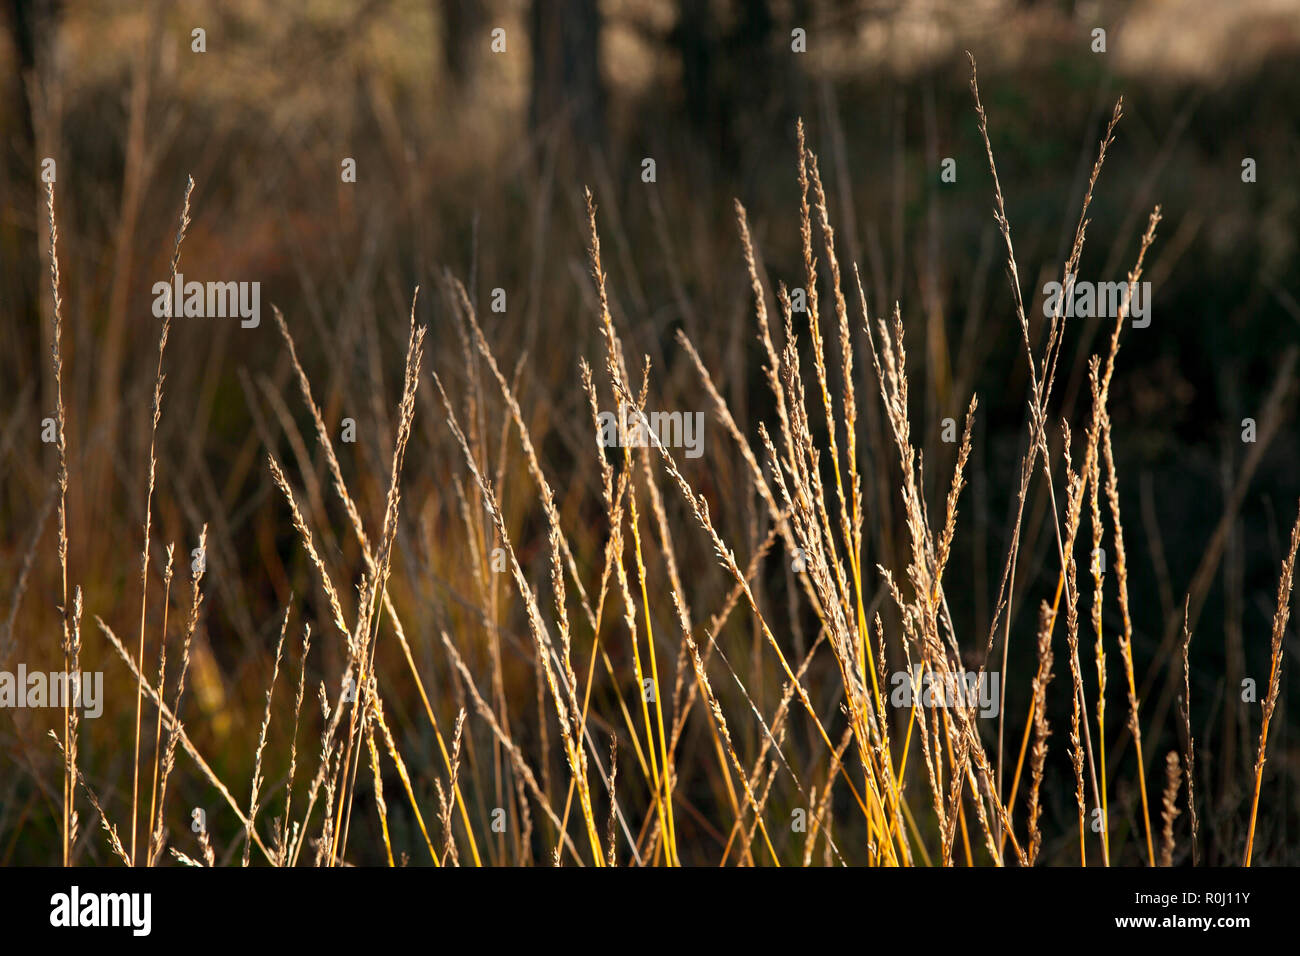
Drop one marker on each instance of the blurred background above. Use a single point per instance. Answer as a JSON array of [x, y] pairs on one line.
[[472, 149]]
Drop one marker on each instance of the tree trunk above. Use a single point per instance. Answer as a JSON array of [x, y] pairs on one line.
[[462, 39], [568, 91]]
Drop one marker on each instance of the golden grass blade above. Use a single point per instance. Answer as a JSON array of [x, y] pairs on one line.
[[1269, 702], [148, 502]]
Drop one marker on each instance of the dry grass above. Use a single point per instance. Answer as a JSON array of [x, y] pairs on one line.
[[798, 746]]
